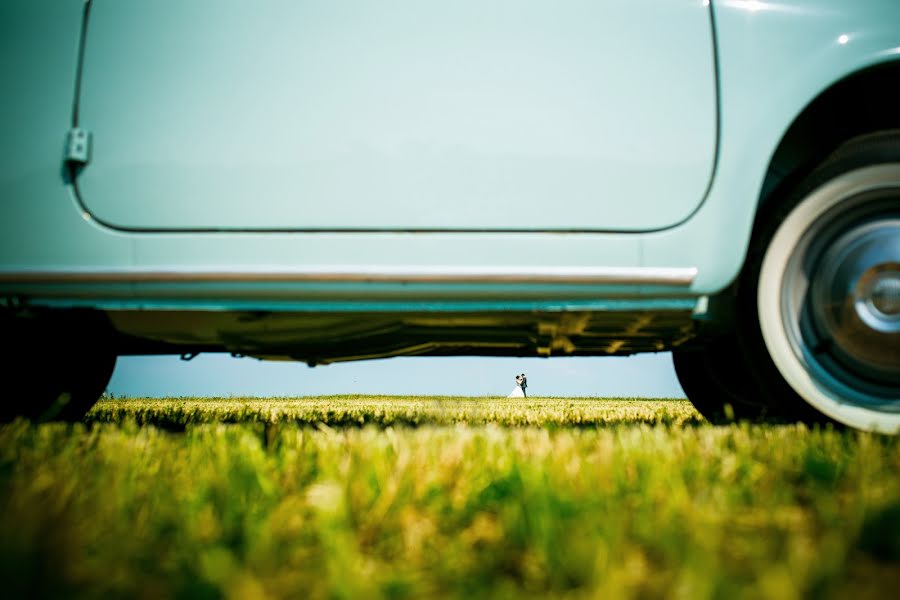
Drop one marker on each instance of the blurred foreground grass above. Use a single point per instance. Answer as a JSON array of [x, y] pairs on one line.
[[342, 497]]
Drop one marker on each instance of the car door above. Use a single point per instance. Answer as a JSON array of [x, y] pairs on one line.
[[309, 115]]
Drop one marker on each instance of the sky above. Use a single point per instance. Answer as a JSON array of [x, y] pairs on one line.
[[641, 375]]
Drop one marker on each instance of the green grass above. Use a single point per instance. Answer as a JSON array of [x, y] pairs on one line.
[[409, 411], [410, 497]]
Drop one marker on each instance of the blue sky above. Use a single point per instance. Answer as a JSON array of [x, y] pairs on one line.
[[642, 375]]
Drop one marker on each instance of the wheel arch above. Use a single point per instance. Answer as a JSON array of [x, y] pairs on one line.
[[847, 108], [854, 105]]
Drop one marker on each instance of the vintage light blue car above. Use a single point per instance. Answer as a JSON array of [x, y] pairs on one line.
[[328, 180]]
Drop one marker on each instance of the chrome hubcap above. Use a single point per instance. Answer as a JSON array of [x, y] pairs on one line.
[[845, 289], [884, 297], [851, 285]]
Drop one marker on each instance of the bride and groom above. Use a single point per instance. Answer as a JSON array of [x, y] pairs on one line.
[[521, 384]]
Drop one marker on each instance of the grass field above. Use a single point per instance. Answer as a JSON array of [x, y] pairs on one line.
[[359, 497]]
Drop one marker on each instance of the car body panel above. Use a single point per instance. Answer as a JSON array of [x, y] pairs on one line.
[[773, 60], [38, 62], [410, 115]]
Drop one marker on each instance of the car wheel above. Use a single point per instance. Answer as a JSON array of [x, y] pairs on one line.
[[716, 382], [53, 369], [820, 295]]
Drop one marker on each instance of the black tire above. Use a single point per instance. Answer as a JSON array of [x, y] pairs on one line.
[[799, 363], [717, 383], [55, 367]]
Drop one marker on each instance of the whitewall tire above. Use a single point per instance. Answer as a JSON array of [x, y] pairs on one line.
[[828, 298]]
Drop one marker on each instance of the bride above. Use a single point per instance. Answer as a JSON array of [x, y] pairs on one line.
[[521, 384]]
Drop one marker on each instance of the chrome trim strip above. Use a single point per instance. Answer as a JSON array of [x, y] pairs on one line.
[[665, 276]]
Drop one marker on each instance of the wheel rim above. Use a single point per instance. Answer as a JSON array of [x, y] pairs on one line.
[[829, 298]]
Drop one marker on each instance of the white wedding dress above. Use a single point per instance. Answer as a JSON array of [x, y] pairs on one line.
[[518, 392]]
